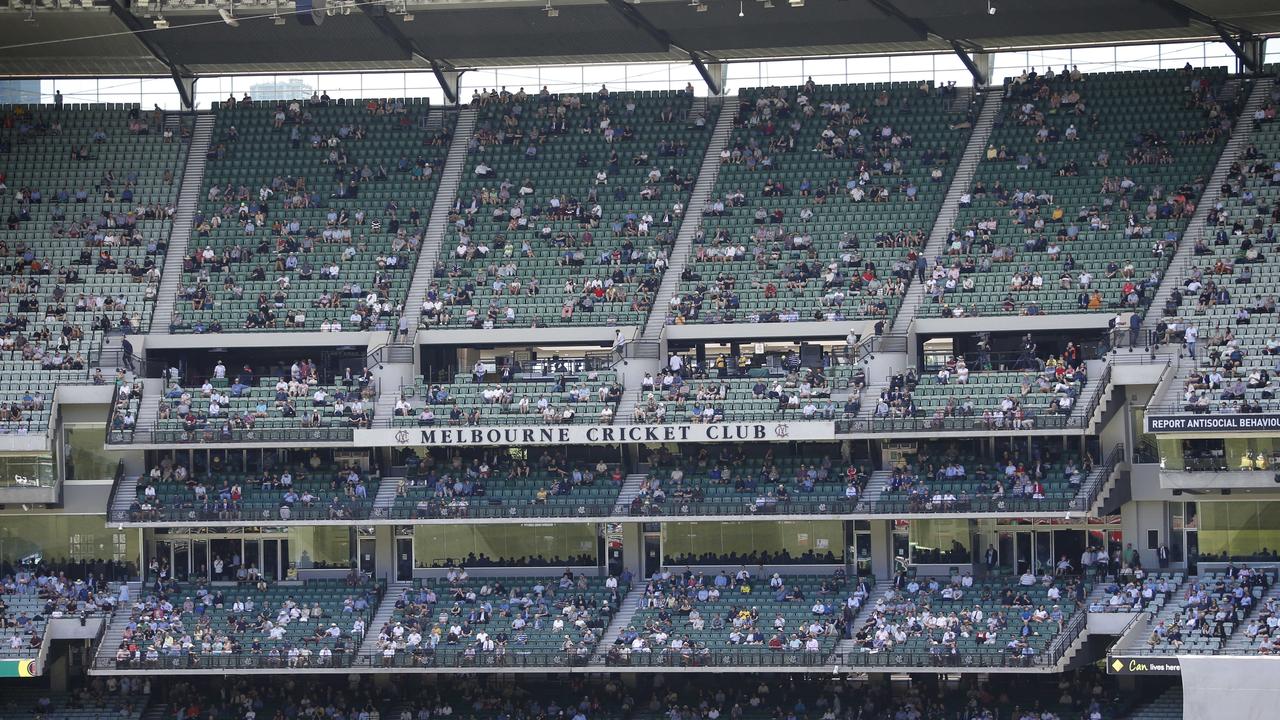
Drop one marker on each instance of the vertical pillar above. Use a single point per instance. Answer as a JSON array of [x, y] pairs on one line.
[[633, 549], [186, 89], [450, 83], [986, 64], [1255, 48], [882, 565]]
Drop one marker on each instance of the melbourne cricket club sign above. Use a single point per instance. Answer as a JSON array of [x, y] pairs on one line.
[[595, 434]]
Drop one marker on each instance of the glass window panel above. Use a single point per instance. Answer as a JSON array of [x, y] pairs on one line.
[[320, 547], [87, 459], [867, 69], [1093, 59], [784, 72], [558, 79], [58, 538], [27, 470], [1137, 57], [537, 545], [749, 542], [745, 75], [825, 70], [383, 85]]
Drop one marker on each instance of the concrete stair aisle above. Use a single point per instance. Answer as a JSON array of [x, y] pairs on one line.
[[620, 621], [964, 96], [630, 489], [386, 497], [148, 408], [962, 181], [871, 396], [126, 492], [369, 645], [438, 223], [157, 710], [114, 634], [627, 404], [845, 647], [181, 226], [876, 485], [1099, 386], [1184, 258], [692, 220]]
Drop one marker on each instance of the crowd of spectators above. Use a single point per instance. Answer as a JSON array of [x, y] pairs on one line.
[[170, 489], [675, 608], [253, 622], [492, 618], [447, 487], [278, 238], [1214, 606], [761, 482]]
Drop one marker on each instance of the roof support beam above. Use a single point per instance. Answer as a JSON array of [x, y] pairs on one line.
[[979, 79], [1234, 36], [713, 83], [663, 39], [377, 14], [639, 21], [915, 25], [182, 77], [1236, 44]]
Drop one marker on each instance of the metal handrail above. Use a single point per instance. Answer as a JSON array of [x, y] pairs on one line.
[[1097, 479]]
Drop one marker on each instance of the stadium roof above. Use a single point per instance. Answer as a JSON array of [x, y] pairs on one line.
[[119, 37]]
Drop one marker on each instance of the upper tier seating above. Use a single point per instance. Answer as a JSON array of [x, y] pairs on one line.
[[311, 216], [507, 488], [955, 398], [171, 493], [726, 393], [88, 193], [1086, 186], [944, 479], [736, 483], [567, 209], [811, 221], [1229, 294], [535, 620], [315, 623], [228, 410], [588, 397]]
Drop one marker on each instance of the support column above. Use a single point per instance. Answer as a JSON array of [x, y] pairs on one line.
[[186, 89], [1254, 48], [450, 82], [714, 73], [633, 550], [882, 549], [985, 63]]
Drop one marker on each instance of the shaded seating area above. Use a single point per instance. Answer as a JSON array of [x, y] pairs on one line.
[[825, 198], [311, 216], [568, 209], [1083, 191]]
